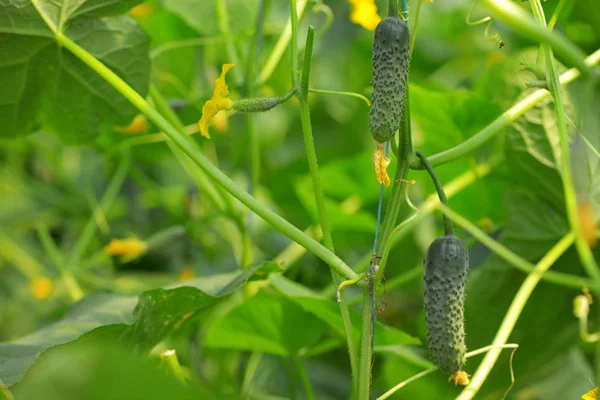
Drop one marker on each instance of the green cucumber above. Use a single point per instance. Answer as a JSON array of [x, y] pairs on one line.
[[446, 265], [391, 57]]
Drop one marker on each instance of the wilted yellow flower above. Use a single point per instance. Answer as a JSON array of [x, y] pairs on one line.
[[364, 13], [41, 287], [137, 125], [591, 395], [218, 102], [126, 247], [460, 378], [380, 163], [186, 274]]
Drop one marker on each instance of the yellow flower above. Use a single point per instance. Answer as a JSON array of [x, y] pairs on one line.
[[591, 395], [218, 102], [126, 247], [364, 13], [381, 162], [41, 287], [186, 274], [137, 125]]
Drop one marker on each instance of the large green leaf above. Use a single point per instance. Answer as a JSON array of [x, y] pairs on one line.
[[91, 312], [44, 86], [387, 339], [98, 369], [267, 323], [159, 313]]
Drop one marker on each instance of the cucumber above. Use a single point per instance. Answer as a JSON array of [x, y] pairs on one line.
[[446, 265], [391, 57]]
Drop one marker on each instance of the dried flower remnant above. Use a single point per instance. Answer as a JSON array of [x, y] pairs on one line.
[[380, 162]]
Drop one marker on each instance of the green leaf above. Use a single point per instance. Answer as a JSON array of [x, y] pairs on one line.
[[328, 311], [45, 86], [161, 312], [91, 312], [156, 307], [97, 369], [267, 323]]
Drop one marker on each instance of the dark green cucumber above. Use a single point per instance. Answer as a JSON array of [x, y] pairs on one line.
[[391, 57], [446, 266]]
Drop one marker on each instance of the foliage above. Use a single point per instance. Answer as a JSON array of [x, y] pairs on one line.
[[235, 234]]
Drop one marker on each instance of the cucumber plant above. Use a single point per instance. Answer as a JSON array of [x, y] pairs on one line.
[[76, 68]]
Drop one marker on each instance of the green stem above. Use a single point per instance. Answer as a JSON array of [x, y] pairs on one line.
[[313, 166], [431, 204], [223, 22], [515, 17], [294, 42], [512, 315], [504, 120], [439, 189], [170, 361], [393, 8], [559, 278], [585, 254], [433, 369], [223, 203], [413, 33], [184, 143], [335, 92], [366, 356], [308, 390], [106, 202], [280, 46], [397, 198], [58, 260]]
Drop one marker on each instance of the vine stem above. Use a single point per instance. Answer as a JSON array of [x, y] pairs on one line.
[[435, 368], [439, 189], [280, 46], [313, 166], [584, 251], [558, 278], [507, 118], [308, 390], [512, 315], [585, 254], [391, 216], [189, 148], [294, 42], [106, 202], [515, 17]]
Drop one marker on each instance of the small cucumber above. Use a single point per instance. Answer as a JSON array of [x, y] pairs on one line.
[[446, 266], [391, 56]]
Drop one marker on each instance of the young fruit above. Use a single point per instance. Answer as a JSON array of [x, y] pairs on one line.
[[391, 56], [446, 265]]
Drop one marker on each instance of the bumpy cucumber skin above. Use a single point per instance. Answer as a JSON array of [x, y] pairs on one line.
[[391, 58], [446, 266]]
